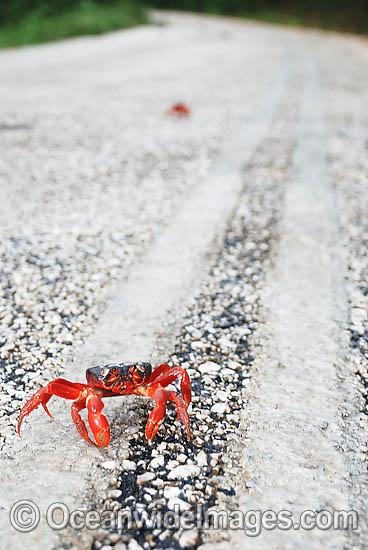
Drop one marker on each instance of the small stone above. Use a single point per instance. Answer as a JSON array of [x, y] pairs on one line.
[[129, 465], [227, 372], [209, 367], [172, 464], [159, 483], [164, 535], [109, 465], [225, 343], [198, 345], [210, 491], [184, 472], [157, 462], [171, 492], [144, 478], [133, 545], [234, 365], [220, 408], [114, 537], [189, 538], [201, 458], [222, 395], [151, 491]]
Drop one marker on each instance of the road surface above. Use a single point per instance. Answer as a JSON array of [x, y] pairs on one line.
[[232, 242]]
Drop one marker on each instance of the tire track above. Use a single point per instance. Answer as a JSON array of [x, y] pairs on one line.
[[296, 456], [213, 344]]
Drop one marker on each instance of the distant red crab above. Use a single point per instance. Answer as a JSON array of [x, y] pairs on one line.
[[111, 381], [179, 109]]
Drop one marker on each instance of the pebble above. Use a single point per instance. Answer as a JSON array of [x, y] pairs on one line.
[[201, 458], [159, 483], [172, 464], [176, 503], [225, 343], [220, 408], [234, 365], [171, 491], [182, 458], [157, 462], [223, 395], [109, 464], [144, 478], [209, 367], [189, 538], [129, 465], [184, 472], [198, 345]]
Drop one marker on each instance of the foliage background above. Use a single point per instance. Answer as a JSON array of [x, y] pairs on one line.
[[351, 15], [31, 21]]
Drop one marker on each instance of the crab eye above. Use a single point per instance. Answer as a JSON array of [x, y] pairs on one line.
[[110, 374], [137, 373]]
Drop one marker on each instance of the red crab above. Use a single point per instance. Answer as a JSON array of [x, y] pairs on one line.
[[111, 381], [179, 109]]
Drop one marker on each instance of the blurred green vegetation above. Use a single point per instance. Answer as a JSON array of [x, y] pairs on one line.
[[329, 14], [31, 21]]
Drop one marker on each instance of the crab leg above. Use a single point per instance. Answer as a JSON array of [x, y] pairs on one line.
[[166, 376], [97, 421], [59, 387], [160, 369], [181, 410], [161, 396]]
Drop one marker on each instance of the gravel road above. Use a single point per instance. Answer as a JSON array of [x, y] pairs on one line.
[[233, 242]]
